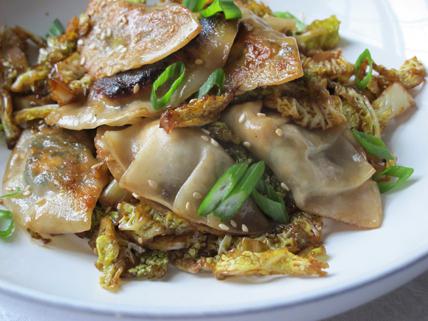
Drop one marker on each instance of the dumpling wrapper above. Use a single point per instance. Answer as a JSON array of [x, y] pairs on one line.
[[327, 175], [126, 35], [261, 56], [98, 110], [206, 53], [62, 178], [175, 170]]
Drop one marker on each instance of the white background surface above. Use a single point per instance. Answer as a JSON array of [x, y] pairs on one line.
[[393, 30], [409, 303]]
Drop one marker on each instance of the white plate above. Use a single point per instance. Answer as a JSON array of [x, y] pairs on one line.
[[364, 264]]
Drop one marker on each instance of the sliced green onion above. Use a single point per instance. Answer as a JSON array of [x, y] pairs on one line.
[[363, 83], [216, 79], [56, 28], [373, 145], [402, 174], [7, 226], [236, 199], [194, 5], [175, 70], [228, 7], [13, 194], [222, 188], [274, 209], [300, 25]]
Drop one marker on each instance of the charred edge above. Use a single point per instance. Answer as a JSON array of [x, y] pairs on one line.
[[122, 84]]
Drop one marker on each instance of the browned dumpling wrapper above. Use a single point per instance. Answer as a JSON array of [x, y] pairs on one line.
[[126, 35], [60, 181]]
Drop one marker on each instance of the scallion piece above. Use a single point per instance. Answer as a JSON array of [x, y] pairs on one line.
[[402, 174], [216, 79], [373, 145], [56, 29], [175, 70], [13, 194], [365, 56], [242, 191], [274, 209], [228, 7], [7, 225], [300, 25], [222, 188], [194, 5]]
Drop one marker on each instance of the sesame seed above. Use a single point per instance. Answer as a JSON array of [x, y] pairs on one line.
[[261, 115], [241, 118], [134, 195], [214, 142], [205, 131], [284, 186], [279, 132], [26, 191], [108, 32], [246, 144], [192, 101], [233, 223], [92, 46], [136, 88], [82, 61], [223, 227], [80, 42], [103, 36], [152, 183], [197, 195], [41, 202], [199, 61], [244, 228], [187, 205], [205, 138]]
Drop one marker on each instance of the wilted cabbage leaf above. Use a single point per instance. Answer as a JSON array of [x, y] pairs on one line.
[[197, 112], [411, 74], [358, 110], [308, 104], [327, 64], [392, 102], [108, 250], [271, 262], [152, 265], [320, 34]]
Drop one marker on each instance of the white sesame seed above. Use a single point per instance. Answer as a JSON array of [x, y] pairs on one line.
[[92, 46], [206, 131], [103, 36], [192, 101], [244, 228], [80, 42], [136, 88], [246, 144], [197, 195], [187, 205], [26, 191], [41, 202], [223, 227], [199, 61], [241, 118], [279, 132], [205, 138], [213, 141], [108, 32], [134, 195], [233, 223], [82, 61], [261, 115], [152, 183], [284, 186]]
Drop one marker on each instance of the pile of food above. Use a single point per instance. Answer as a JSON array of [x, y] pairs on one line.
[[207, 135]]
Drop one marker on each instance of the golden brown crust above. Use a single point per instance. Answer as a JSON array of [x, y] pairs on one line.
[[126, 36]]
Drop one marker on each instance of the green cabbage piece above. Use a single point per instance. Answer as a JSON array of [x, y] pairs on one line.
[[152, 265], [320, 34], [108, 251], [358, 110]]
